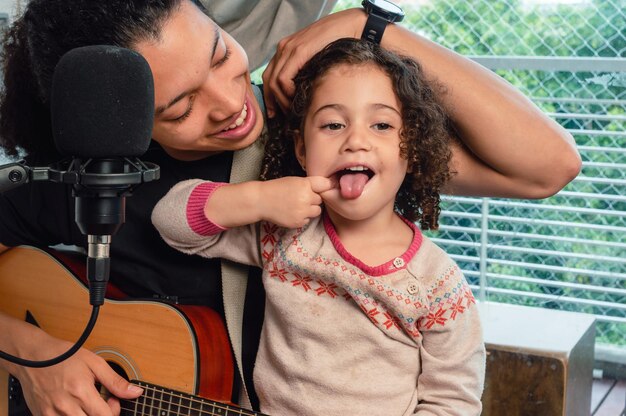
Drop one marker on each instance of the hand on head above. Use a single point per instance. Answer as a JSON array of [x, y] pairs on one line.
[[293, 51]]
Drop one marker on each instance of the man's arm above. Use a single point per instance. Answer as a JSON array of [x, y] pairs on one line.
[[509, 148]]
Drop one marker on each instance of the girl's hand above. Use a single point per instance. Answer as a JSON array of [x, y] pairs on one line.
[[294, 50], [292, 201], [68, 388]]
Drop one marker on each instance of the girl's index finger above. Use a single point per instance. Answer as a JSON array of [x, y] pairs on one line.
[[321, 184]]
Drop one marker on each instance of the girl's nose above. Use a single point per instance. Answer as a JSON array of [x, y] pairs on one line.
[[357, 139]]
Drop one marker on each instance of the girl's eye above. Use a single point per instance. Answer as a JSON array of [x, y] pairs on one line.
[[187, 112], [332, 126], [382, 126]]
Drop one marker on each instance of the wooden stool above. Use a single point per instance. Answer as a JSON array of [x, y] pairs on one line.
[[539, 361]]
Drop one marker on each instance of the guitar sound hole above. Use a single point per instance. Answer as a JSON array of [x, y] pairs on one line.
[[118, 369]]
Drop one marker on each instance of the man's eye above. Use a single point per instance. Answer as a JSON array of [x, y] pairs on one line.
[[224, 58], [187, 112]]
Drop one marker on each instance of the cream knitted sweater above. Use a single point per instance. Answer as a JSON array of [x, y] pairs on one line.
[[340, 337]]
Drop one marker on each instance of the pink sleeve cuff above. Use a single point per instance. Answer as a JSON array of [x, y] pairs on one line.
[[197, 220]]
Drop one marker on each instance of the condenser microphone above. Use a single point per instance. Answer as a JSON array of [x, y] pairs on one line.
[[102, 109]]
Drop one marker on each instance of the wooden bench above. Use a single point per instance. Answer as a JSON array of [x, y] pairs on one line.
[[539, 361]]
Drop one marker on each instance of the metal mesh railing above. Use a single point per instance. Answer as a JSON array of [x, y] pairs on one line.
[[567, 252]]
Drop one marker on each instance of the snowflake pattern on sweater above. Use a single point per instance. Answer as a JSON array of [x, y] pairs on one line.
[[447, 297]]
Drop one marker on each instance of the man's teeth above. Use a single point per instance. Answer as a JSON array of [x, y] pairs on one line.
[[357, 168], [240, 119]]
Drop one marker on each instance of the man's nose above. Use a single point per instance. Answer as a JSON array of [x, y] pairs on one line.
[[225, 99]]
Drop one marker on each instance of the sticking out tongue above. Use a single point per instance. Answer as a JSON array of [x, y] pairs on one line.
[[352, 184]]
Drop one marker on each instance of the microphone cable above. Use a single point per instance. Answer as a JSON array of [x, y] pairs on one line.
[[67, 354]]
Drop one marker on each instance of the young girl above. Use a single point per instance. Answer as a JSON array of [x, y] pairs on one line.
[[364, 315]]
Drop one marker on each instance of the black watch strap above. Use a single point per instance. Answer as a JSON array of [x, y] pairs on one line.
[[374, 28]]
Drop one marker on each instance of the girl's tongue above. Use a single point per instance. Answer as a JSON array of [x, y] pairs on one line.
[[352, 184]]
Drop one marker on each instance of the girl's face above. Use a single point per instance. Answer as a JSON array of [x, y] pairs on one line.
[[352, 133], [204, 102]]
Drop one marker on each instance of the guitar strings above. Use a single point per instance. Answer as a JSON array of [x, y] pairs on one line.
[[146, 410], [179, 396], [191, 399]]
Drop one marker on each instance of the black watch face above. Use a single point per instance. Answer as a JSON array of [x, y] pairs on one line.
[[387, 6]]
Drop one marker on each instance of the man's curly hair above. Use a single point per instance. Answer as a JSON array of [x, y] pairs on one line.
[[425, 135]]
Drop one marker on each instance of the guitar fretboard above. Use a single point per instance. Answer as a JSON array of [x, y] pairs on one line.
[[160, 401]]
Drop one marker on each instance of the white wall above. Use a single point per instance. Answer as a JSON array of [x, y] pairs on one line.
[[11, 7]]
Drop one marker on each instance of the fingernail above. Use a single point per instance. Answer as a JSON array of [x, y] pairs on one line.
[[134, 389]]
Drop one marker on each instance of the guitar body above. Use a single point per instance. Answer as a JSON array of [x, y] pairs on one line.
[[184, 348]]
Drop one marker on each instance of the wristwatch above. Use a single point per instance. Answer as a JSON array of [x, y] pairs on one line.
[[379, 14]]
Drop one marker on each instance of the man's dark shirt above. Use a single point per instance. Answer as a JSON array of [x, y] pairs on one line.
[[41, 214]]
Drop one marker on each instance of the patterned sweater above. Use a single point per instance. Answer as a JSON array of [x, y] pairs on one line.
[[340, 337]]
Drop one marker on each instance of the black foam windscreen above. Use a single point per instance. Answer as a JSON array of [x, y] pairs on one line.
[[102, 103]]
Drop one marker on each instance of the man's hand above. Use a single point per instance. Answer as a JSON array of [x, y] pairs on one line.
[[68, 388], [294, 50]]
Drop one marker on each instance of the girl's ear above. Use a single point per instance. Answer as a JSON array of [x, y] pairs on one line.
[[300, 149]]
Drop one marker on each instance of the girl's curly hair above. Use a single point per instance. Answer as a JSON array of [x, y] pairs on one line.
[[425, 135]]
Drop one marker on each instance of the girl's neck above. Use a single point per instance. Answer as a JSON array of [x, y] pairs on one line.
[[347, 228], [374, 240]]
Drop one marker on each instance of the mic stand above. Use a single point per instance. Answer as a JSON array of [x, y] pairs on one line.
[[13, 175], [100, 188]]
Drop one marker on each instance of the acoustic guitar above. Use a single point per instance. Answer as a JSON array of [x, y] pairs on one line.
[[179, 354]]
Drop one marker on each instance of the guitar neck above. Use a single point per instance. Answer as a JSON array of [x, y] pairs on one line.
[[160, 401]]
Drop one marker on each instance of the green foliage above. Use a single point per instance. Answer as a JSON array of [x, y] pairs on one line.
[[568, 251]]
